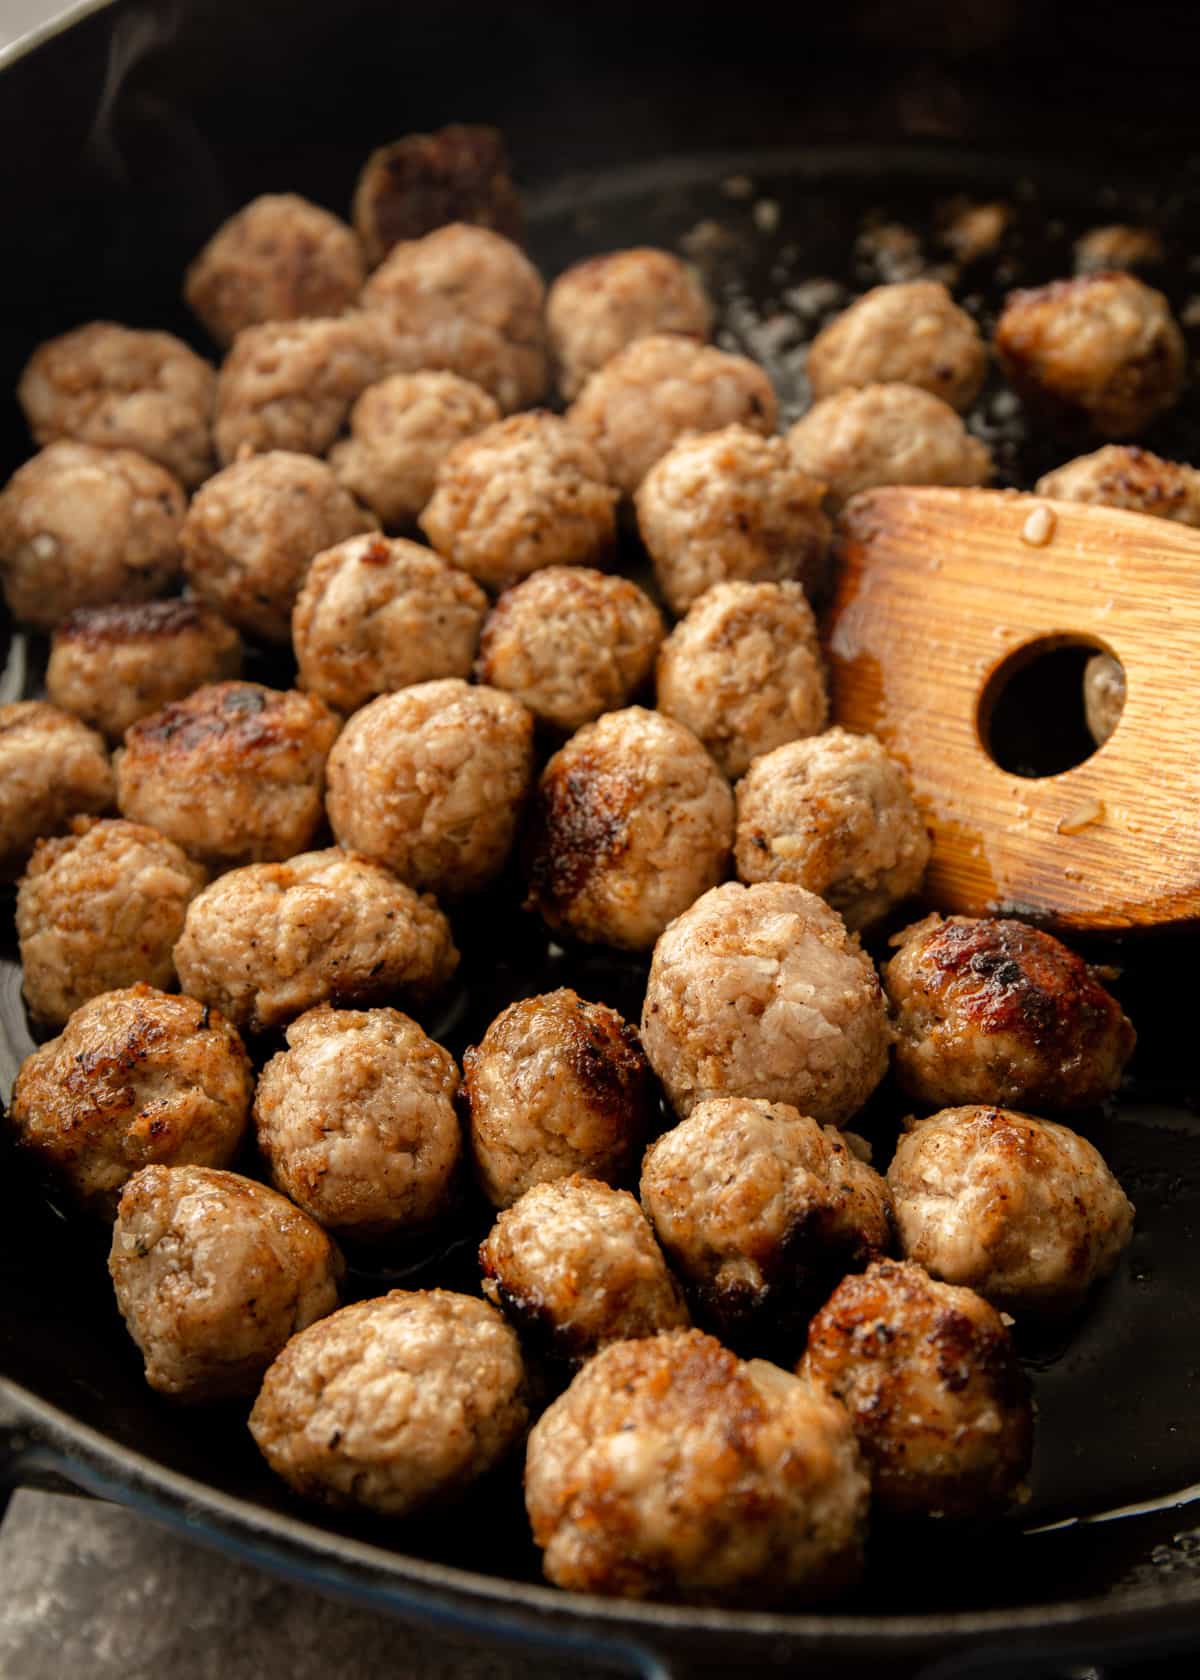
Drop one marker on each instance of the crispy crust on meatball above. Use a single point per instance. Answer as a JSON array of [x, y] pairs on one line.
[[598, 306], [1103, 695], [1123, 476], [51, 768], [418, 183], [911, 333]]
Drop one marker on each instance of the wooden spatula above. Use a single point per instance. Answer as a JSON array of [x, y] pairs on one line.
[[940, 594]]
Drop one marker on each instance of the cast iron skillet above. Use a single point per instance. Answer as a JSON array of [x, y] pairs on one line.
[[124, 140]]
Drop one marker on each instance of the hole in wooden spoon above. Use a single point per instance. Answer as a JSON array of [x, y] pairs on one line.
[[1035, 718]]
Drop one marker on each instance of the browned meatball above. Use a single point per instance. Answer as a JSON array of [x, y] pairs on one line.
[[1102, 348], [991, 1010], [599, 306], [632, 822], [357, 1123], [909, 333], [213, 1274], [1117, 245], [81, 526], [526, 493], [1123, 476], [252, 531], [395, 1404], [100, 909], [51, 767], [1103, 695], [136, 1077], [233, 774], [934, 1389], [671, 1469], [267, 942], [556, 1086], [418, 183]]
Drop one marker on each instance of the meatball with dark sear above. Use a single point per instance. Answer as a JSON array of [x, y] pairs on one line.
[[136, 1078], [1024, 1211], [631, 823], [994, 1011], [600, 305], [556, 1086], [418, 183], [1103, 695], [672, 1470], [394, 1405], [51, 768], [213, 1275], [908, 333], [234, 774], [934, 1389], [1123, 476]]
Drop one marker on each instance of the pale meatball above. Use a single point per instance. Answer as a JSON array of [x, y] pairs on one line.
[[1024, 1211], [835, 814], [760, 992], [1103, 695], [51, 768], [136, 1078], [395, 1404], [631, 823], [994, 1011], [934, 1389], [525, 493], [279, 258], [1103, 349], [909, 333], [556, 1086], [431, 782], [82, 526], [112, 665], [267, 942], [356, 1121], [731, 505], [633, 1478], [599, 306], [1123, 476], [575, 1266], [119, 388], [743, 671], [422, 181], [213, 1275], [252, 531], [233, 774], [570, 643], [98, 910], [886, 434], [466, 300], [401, 430], [648, 395], [761, 1211], [376, 614]]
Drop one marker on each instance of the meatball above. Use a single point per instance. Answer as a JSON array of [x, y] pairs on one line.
[[357, 1123], [233, 774], [575, 1266], [279, 258], [394, 1404], [935, 1392], [1122, 476], [761, 1210], [671, 1469], [991, 1010], [136, 1077], [760, 992], [1103, 349], [886, 434], [422, 181], [100, 909], [123, 389], [743, 671], [648, 395], [401, 430], [377, 614], [1117, 245], [431, 782], [556, 1086], [1103, 695], [467, 300], [834, 814], [113, 665], [267, 942], [599, 306], [213, 1274], [252, 531], [51, 767], [908, 333], [731, 505], [82, 526], [526, 493], [1024, 1211], [632, 822], [570, 643]]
